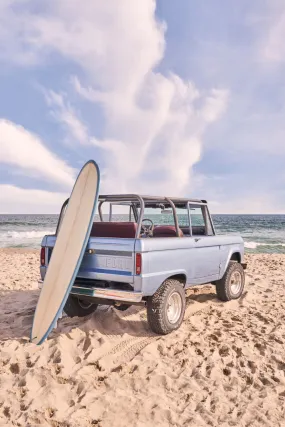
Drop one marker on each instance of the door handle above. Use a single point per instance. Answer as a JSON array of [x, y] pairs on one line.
[[197, 240]]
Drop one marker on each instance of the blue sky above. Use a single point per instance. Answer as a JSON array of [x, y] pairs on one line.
[[170, 98]]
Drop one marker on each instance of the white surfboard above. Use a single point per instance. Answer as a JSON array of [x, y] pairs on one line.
[[68, 251]]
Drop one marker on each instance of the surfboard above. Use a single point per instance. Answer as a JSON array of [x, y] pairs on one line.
[[68, 251]]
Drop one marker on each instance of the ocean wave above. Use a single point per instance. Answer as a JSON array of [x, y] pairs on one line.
[[25, 234], [254, 245], [26, 223]]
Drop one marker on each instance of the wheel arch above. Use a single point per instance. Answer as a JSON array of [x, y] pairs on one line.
[[158, 313], [153, 283], [224, 286], [236, 255], [181, 277]]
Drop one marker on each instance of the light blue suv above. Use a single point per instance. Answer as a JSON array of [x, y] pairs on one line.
[[148, 253]]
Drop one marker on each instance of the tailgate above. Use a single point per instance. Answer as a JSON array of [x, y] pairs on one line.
[[110, 259]]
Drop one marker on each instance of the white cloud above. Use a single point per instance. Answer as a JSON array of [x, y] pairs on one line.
[[273, 49], [63, 112], [15, 200], [215, 105], [154, 124], [25, 150], [159, 132], [84, 32]]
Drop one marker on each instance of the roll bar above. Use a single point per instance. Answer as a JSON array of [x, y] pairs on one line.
[[136, 200]]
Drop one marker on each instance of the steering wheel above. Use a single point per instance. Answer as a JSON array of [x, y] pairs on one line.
[[147, 229]]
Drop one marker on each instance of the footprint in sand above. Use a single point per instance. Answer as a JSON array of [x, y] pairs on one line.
[[6, 412], [14, 368]]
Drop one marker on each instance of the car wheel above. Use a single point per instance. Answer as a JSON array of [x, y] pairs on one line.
[[231, 285], [75, 307], [166, 308]]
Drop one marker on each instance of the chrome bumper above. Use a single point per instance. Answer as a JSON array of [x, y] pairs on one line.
[[113, 294]]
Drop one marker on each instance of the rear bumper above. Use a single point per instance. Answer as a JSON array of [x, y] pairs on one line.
[[112, 294]]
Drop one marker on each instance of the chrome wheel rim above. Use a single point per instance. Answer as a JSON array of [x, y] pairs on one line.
[[174, 307], [236, 282]]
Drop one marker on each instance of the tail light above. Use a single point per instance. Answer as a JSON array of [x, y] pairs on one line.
[[43, 256], [138, 264]]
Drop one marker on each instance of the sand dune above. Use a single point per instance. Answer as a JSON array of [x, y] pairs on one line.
[[224, 367]]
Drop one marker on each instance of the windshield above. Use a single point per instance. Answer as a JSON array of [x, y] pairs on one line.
[[166, 217]]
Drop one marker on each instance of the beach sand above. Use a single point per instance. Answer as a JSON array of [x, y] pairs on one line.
[[224, 367]]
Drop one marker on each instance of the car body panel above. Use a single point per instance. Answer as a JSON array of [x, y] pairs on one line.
[[195, 260]]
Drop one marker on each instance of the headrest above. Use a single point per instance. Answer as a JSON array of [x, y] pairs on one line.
[[166, 231]]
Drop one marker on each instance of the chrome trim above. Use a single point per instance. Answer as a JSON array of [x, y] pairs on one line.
[[113, 294]]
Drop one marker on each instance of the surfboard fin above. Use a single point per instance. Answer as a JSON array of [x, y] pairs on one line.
[[59, 317]]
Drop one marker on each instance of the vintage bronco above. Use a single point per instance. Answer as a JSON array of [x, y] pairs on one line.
[[148, 254]]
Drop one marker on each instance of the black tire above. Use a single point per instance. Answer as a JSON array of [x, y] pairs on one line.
[[75, 307], [157, 307], [225, 286]]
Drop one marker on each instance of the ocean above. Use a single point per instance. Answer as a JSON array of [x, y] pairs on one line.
[[261, 233]]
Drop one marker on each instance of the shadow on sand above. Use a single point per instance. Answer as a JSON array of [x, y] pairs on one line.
[[17, 311]]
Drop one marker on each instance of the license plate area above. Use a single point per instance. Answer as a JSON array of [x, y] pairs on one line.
[[114, 263]]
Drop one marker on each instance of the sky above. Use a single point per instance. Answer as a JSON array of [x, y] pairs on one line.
[[183, 98]]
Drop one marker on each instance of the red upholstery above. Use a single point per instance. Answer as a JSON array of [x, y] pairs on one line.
[[196, 230], [114, 229], [166, 231]]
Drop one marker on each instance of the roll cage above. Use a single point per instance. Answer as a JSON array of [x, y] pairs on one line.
[[138, 203]]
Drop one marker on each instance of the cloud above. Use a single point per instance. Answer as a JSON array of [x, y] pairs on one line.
[[154, 122], [25, 150], [84, 32], [159, 132], [15, 200], [66, 115], [273, 49]]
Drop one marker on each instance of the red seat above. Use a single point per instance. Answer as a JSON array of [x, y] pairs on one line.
[[196, 230], [125, 230], [166, 231]]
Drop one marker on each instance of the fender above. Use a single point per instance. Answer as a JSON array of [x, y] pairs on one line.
[[152, 282], [233, 249]]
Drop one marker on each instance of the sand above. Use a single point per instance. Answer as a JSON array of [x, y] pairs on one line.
[[224, 367]]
